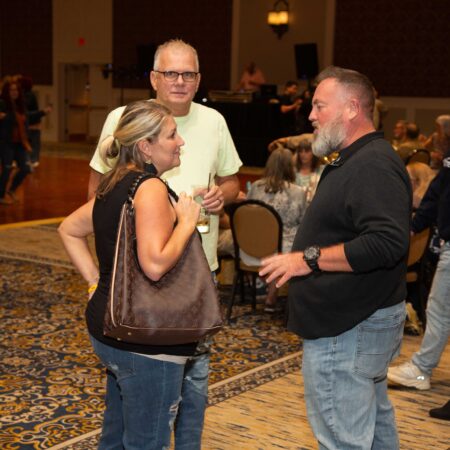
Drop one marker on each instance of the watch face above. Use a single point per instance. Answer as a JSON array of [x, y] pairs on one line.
[[312, 252]]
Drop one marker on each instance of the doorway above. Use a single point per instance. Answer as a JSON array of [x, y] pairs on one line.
[[85, 101]]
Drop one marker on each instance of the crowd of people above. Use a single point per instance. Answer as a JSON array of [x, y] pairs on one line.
[[20, 140], [346, 232]]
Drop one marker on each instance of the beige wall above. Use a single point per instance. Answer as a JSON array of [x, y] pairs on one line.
[[82, 18], [252, 39], [73, 19], [421, 110], [256, 41]]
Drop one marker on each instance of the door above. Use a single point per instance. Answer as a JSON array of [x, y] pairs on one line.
[[77, 102], [87, 98]]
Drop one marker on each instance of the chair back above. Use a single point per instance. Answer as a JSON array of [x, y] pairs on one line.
[[417, 246], [419, 155], [257, 228]]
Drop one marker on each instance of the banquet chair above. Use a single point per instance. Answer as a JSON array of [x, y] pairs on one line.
[[419, 155], [415, 272], [257, 231]]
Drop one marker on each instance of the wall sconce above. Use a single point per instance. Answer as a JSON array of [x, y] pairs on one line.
[[278, 17]]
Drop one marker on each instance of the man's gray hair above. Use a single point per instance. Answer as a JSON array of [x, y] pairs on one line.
[[176, 44], [353, 81]]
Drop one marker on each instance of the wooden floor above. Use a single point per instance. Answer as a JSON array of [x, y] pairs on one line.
[[55, 188], [59, 186]]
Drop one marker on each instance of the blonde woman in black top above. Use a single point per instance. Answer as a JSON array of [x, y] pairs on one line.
[[143, 382]]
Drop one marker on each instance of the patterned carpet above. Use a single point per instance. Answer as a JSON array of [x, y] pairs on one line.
[[51, 384]]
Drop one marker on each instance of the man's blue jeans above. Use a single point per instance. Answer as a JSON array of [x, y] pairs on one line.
[[345, 383], [142, 397], [194, 397], [438, 316]]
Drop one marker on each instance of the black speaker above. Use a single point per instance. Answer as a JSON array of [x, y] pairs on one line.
[[306, 61], [145, 55]]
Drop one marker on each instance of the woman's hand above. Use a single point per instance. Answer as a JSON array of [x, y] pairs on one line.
[[187, 210]]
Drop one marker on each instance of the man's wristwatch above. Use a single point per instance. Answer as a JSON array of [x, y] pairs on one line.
[[311, 256]]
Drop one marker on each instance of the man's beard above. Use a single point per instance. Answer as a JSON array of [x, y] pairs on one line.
[[328, 138]]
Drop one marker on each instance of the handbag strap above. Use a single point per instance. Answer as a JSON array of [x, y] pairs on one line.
[[139, 180]]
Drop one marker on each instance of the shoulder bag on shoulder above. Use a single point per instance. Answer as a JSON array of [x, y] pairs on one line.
[[182, 307]]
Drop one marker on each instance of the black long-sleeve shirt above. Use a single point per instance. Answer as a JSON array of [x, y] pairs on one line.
[[435, 205], [364, 201]]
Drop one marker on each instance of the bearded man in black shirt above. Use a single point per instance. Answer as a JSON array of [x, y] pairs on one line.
[[347, 270]]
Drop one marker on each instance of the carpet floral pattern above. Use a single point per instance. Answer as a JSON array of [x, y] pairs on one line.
[[52, 385]]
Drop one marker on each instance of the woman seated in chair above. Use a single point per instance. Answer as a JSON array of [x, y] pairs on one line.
[[278, 189], [308, 168], [438, 143], [421, 176]]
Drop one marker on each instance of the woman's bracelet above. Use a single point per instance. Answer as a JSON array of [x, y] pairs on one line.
[[92, 288]]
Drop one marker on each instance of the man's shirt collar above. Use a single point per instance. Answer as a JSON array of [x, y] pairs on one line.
[[346, 153]]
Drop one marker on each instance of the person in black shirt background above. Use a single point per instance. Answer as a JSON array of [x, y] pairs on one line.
[[289, 105], [433, 209]]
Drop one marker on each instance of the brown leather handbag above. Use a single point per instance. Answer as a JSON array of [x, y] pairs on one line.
[[182, 307]]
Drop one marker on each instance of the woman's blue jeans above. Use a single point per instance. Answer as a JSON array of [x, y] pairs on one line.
[[345, 383], [8, 154], [142, 398]]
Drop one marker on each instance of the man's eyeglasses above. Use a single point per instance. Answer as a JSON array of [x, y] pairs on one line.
[[171, 75]]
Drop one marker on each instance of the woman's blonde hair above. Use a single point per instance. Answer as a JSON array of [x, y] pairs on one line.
[[141, 120], [279, 170]]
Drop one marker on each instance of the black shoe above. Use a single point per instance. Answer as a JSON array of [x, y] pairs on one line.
[[441, 413]]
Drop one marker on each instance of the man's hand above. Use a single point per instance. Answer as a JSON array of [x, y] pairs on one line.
[[298, 102], [277, 143], [213, 200], [284, 267]]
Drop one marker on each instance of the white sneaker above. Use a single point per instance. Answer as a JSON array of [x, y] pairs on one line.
[[409, 375]]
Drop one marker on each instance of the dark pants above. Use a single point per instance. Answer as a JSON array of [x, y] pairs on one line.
[[8, 154], [35, 141]]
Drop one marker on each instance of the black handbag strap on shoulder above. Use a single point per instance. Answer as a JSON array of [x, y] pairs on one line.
[[130, 211], [139, 180]]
